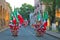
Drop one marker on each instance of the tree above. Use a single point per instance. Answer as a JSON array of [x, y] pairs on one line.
[[51, 7], [25, 10], [57, 4]]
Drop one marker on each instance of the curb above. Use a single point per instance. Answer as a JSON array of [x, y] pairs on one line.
[[53, 34], [3, 29]]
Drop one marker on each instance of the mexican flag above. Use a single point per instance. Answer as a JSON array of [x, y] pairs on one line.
[[45, 24], [45, 17], [20, 18], [14, 20], [15, 14]]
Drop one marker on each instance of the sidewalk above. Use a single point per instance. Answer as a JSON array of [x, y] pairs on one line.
[[53, 34], [3, 29]]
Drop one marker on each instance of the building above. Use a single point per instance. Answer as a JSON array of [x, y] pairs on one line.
[[57, 13], [4, 14], [57, 16], [39, 7]]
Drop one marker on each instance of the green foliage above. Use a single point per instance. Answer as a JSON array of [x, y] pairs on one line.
[[58, 3], [47, 2], [25, 10]]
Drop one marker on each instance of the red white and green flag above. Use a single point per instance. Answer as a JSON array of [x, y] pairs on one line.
[[20, 18], [12, 19]]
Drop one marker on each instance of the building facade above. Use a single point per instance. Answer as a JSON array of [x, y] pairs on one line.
[[4, 14], [39, 7]]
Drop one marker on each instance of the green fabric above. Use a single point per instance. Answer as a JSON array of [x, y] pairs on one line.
[[45, 15], [16, 16], [38, 16]]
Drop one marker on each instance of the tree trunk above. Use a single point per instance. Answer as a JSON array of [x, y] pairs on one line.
[[53, 11]]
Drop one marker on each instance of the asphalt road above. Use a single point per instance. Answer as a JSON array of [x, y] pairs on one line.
[[25, 33]]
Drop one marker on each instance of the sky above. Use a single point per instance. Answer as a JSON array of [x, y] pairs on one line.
[[18, 3]]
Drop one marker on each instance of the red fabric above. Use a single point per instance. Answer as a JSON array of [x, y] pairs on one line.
[[11, 27], [14, 20], [38, 29], [45, 24], [21, 20], [16, 28]]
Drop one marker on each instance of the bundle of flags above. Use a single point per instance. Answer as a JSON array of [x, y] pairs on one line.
[[39, 16], [43, 19], [15, 19]]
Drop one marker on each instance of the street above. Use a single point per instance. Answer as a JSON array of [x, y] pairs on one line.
[[42, 15], [25, 33]]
